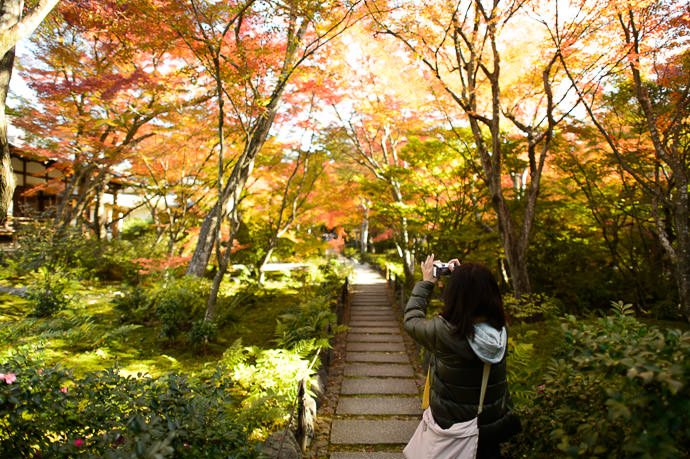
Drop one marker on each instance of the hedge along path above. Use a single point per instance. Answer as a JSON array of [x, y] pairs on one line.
[[379, 403]]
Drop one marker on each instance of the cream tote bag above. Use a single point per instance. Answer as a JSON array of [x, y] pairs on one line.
[[460, 441]]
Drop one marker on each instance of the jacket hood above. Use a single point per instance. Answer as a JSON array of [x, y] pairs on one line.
[[488, 343]]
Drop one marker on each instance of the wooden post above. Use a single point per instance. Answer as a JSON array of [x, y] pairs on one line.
[[402, 295], [301, 427]]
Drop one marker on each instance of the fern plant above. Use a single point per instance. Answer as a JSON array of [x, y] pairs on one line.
[[622, 309], [311, 320]]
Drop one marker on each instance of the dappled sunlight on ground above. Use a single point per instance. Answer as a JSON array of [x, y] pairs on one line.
[[367, 277]]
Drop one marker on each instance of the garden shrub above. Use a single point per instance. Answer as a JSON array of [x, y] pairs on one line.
[[616, 388], [135, 305], [531, 308], [50, 292], [48, 412], [176, 310], [332, 275], [201, 333], [113, 260], [136, 228], [178, 303], [83, 334], [520, 371], [41, 244]]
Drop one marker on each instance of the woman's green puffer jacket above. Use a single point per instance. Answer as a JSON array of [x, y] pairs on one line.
[[456, 373]]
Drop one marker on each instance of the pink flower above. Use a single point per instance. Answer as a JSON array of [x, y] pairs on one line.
[[63, 390], [78, 442], [540, 389], [9, 377]]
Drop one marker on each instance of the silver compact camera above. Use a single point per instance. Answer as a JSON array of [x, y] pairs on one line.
[[441, 269]]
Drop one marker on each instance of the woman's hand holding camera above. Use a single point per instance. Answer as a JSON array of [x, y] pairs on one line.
[[452, 264], [428, 269], [431, 270]]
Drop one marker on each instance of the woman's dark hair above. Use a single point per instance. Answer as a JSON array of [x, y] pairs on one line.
[[472, 292]]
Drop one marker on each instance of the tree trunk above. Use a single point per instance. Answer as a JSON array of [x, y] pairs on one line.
[[11, 11], [364, 236], [682, 259], [230, 197], [13, 28], [223, 262], [264, 260], [96, 223], [204, 246], [683, 277], [406, 254]]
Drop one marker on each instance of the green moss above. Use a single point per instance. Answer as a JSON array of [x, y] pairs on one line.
[[89, 335]]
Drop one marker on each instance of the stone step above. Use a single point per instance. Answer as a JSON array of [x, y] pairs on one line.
[[384, 313], [372, 369], [379, 405], [374, 323], [384, 330], [375, 347], [374, 337], [378, 386], [353, 432], [387, 313], [383, 357], [388, 317]]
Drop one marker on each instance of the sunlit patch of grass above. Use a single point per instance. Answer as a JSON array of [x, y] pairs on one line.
[[153, 367], [257, 322]]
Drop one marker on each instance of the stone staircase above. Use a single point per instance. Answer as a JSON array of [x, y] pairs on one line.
[[378, 407]]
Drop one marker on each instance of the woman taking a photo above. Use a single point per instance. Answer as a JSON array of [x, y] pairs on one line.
[[469, 332]]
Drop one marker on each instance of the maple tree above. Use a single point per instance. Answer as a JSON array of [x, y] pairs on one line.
[[619, 215], [98, 94], [14, 26], [468, 47], [649, 139], [246, 53], [287, 181], [174, 170], [381, 110]]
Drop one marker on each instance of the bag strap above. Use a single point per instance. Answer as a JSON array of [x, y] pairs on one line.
[[485, 382], [425, 396]]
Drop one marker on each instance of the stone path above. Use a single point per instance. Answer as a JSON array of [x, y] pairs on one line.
[[378, 408]]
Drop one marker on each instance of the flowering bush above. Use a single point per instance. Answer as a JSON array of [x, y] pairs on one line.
[[48, 412]]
